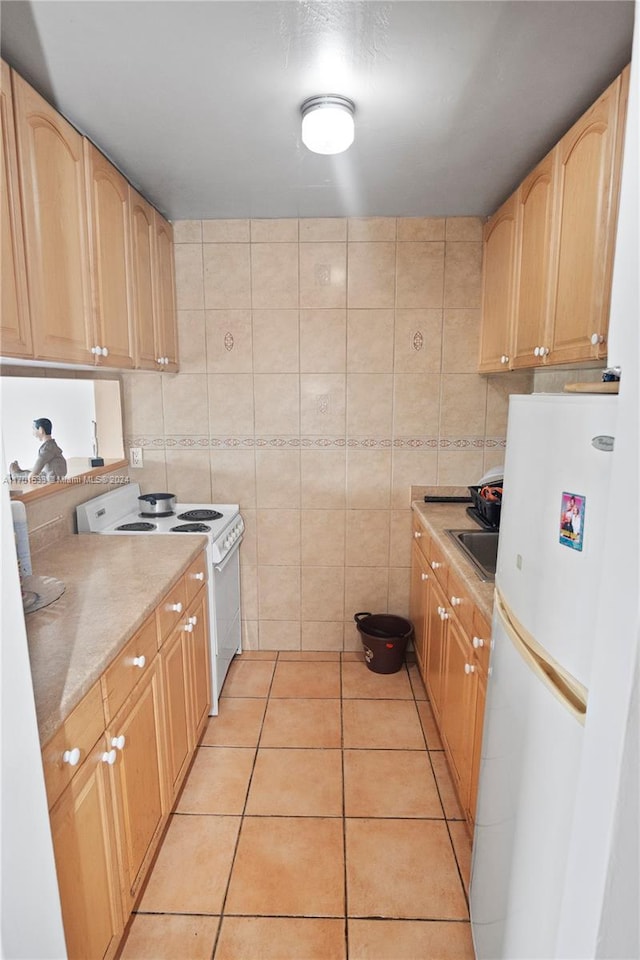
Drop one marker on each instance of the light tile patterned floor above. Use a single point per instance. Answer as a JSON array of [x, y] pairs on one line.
[[318, 822]]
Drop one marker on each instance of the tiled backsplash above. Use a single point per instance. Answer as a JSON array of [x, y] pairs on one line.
[[325, 367]]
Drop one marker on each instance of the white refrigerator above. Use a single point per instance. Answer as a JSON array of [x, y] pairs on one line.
[[550, 555]]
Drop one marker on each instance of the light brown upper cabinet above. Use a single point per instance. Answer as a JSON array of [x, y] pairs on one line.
[[536, 238], [553, 307], [588, 174], [15, 324], [166, 326], [87, 264], [54, 209], [143, 261], [498, 287], [110, 260], [156, 335]]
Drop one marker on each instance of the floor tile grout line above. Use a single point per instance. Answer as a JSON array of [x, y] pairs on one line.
[[242, 815], [344, 818]]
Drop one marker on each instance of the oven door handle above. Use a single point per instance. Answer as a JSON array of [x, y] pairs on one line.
[[223, 563]]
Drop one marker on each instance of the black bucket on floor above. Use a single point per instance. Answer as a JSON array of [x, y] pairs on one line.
[[384, 638]]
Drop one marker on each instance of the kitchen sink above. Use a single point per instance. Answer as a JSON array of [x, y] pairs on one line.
[[480, 547]]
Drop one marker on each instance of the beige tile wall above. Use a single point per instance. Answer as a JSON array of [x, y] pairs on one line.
[[326, 366]]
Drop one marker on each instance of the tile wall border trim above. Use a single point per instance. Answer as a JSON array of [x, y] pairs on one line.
[[317, 443]]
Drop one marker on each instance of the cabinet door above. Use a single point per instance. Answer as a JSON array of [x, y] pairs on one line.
[[175, 675], [438, 618], [199, 664], [166, 323], [459, 707], [110, 250], [498, 287], [15, 331], [586, 214], [139, 778], [531, 341], [418, 605], [86, 862], [54, 207], [143, 260], [481, 696]]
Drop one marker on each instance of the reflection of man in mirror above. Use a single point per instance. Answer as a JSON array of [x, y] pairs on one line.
[[50, 462]]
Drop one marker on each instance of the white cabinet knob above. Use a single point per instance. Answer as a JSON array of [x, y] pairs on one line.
[[469, 668], [424, 576], [95, 350], [177, 607], [192, 620], [198, 576], [139, 661], [456, 601], [478, 642], [105, 351], [442, 613], [109, 757], [504, 358], [596, 339], [544, 351], [536, 352], [416, 534], [187, 627], [72, 757], [435, 565], [119, 742]]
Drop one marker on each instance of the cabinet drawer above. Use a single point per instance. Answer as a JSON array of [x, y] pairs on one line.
[[421, 537], [195, 576], [481, 639], [131, 664], [65, 752], [438, 563], [460, 601], [171, 609]]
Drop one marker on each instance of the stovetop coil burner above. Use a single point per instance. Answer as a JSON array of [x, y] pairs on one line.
[[199, 515], [138, 526], [191, 528]]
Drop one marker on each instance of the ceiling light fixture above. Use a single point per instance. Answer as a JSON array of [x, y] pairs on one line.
[[327, 123]]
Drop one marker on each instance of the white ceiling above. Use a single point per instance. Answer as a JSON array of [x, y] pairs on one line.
[[198, 102]]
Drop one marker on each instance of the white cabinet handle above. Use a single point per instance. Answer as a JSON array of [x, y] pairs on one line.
[[536, 352], [197, 576], [175, 606], [456, 601], [193, 621], [469, 668], [119, 742], [139, 661], [435, 565], [416, 534], [72, 757], [442, 613], [187, 627], [105, 351], [544, 351], [424, 576], [504, 358], [596, 339], [478, 642], [109, 757]]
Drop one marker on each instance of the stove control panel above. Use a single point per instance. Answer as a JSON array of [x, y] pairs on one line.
[[233, 534]]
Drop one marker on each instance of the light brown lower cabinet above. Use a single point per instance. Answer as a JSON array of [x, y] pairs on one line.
[[84, 843], [454, 650], [135, 743], [114, 768]]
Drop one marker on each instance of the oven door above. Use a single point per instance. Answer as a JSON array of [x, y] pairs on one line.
[[226, 612]]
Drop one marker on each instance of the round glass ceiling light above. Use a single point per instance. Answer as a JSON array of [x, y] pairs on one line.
[[327, 124]]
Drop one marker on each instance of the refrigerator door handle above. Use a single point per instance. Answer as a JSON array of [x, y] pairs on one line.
[[569, 691]]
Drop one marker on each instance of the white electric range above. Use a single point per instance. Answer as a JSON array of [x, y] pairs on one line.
[[118, 513]]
